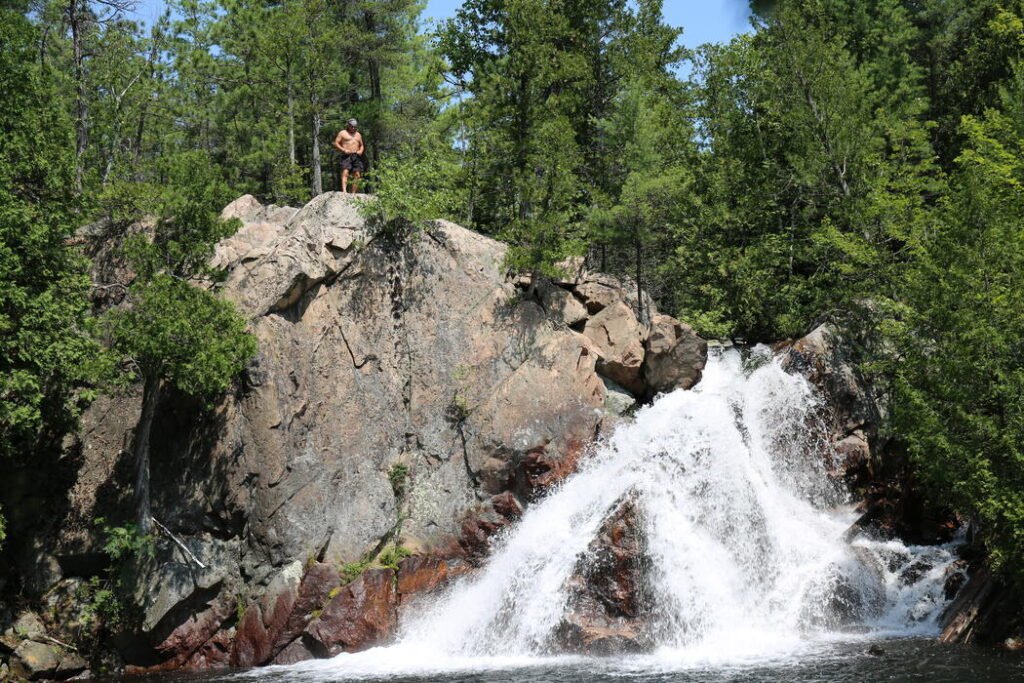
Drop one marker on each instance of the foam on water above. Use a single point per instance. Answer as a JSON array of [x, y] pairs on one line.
[[743, 528]]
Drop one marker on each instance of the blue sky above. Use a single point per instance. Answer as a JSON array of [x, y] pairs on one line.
[[704, 21]]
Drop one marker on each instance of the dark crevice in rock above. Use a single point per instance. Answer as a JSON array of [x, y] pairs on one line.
[[358, 365]]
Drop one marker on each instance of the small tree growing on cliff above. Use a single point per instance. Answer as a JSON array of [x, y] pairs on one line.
[[173, 331]]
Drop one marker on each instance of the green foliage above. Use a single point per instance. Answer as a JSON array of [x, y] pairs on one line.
[[106, 597], [398, 475], [46, 349], [391, 556], [350, 571], [816, 173], [960, 384], [544, 77], [182, 334], [415, 187], [459, 410], [388, 558], [240, 608]]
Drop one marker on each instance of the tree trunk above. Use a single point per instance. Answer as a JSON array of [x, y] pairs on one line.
[[150, 396], [76, 19], [291, 121], [318, 183], [645, 317], [140, 129]]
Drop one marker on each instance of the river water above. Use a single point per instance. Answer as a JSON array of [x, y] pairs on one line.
[[751, 575]]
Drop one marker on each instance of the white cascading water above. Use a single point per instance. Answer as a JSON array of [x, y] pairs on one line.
[[744, 531]]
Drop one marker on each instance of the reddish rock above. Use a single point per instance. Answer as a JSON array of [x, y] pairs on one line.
[[215, 654], [421, 574], [480, 525], [296, 652], [425, 573], [189, 636], [541, 469], [263, 622], [608, 607], [316, 585], [362, 615], [252, 642]]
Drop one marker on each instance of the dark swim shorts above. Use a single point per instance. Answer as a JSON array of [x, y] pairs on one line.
[[352, 162]]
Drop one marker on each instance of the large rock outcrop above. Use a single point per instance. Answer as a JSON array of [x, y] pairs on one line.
[[406, 394]]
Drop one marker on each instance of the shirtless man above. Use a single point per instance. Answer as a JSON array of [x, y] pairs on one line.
[[350, 143]]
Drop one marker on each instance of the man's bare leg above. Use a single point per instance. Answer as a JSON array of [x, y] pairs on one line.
[[344, 180], [355, 182]]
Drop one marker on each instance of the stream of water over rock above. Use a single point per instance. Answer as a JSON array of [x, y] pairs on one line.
[[746, 560]]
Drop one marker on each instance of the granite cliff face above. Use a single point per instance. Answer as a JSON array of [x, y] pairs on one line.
[[408, 397]]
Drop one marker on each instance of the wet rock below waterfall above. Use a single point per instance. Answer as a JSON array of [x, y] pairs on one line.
[[609, 604]]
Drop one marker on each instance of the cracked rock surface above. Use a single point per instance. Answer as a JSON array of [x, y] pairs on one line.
[[410, 394]]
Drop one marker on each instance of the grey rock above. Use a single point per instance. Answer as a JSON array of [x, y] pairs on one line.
[[246, 208], [28, 625], [617, 401], [824, 357], [33, 660], [171, 579]]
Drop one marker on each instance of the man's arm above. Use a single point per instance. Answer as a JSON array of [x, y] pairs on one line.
[[337, 141]]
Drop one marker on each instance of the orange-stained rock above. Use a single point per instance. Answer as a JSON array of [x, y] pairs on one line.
[[362, 615], [541, 469], [423, 573], [608, 605]]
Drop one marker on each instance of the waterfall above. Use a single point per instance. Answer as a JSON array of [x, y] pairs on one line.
[[743, 539]]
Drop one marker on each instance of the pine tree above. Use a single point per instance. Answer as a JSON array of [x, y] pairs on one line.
[[172, 331], [45, 345]]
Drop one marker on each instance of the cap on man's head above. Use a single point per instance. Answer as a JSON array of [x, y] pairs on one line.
[[353, 123]]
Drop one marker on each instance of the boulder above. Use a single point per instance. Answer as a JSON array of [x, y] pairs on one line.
[[481, 524], [33, 660], [246, 209], [609, 605], [598, 292], [853, 459], [675, 356], [850, 411], [617, 401], [825, 358], [316, 246], [619, 339], [561, 304]]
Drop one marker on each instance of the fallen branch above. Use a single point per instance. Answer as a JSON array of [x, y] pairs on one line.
[[59, 642], [178, 542]]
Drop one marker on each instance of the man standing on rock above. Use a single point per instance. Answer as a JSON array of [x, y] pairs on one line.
[[350, 143]]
